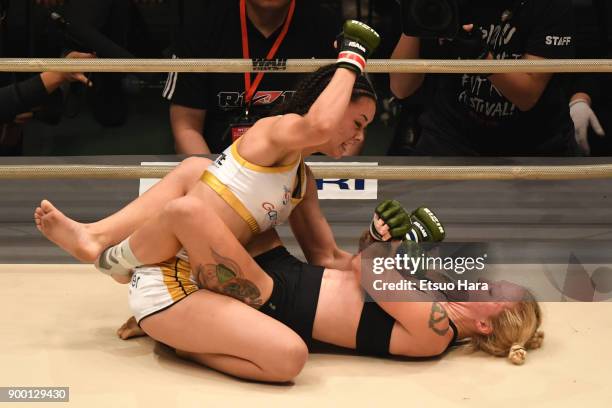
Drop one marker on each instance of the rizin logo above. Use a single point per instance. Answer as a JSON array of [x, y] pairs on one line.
[[230, 100], [271, 212], [347, 189]]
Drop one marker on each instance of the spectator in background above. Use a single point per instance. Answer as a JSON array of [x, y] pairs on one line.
[[209, 110], [499, 114], [590, 93], [121, 22], [21, 99]]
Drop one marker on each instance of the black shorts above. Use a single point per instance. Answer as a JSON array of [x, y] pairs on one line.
[[296, 290]]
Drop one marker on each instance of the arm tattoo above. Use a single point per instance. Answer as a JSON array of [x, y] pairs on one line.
[[227, 279], [437, 316]]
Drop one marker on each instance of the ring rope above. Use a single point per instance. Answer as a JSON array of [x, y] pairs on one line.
[[447, 173], [302, 65]]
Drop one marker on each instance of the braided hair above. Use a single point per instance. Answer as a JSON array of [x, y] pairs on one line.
[[311, 87]]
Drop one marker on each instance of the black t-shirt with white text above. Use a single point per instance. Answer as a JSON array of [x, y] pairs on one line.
[[310, 35], [474, 112]]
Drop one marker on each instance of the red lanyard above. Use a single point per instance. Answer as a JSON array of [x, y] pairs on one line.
[[251, 88]]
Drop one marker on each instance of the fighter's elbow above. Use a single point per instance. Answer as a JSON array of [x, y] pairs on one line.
[[320, 126], [325, 127], [320, 256]]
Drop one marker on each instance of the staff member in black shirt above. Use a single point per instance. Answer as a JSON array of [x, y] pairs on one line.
[[208, 110], [500, 114]]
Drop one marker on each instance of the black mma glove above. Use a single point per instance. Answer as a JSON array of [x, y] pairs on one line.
[[391, 214], [355, 44]]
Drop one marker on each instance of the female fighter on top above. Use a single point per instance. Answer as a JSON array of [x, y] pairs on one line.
[[261, 177], [330, 110]]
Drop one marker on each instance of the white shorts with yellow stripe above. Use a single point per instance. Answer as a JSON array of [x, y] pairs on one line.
[[156, 288]]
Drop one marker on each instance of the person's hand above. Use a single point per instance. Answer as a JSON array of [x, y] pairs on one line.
[[50, 3], [469, 44], [78, 76], [583, 118], [53, 80], [390, 221], [23, 118]]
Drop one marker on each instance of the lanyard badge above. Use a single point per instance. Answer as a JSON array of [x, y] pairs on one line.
[[245, 121], [241, 125]]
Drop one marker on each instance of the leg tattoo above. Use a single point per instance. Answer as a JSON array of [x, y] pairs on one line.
[[226, 278]]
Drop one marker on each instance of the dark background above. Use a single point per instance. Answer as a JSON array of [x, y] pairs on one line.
[[152, 29]]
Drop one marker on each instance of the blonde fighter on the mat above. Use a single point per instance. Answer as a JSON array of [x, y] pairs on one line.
[[330, 110], [327, 304]]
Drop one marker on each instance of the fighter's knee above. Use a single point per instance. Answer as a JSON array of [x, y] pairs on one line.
[[183, 207], [291, 360]]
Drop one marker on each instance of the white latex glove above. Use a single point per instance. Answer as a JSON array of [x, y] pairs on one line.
[[583, 117]]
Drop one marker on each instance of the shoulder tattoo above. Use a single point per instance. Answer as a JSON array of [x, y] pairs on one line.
[[437, 319]]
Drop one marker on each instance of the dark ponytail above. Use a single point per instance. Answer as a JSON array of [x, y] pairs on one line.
[[311, 87]]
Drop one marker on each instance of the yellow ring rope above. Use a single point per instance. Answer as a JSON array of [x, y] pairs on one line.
[[300, 65], [309, 65], [453, 173]]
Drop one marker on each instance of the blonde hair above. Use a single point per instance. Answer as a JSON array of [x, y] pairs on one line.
[[515, 330]]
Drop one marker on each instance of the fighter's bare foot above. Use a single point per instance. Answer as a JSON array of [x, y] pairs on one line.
[[130, 329], [73, 237]]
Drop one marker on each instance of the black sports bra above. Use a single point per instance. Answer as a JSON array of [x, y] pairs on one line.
[[374, 330]]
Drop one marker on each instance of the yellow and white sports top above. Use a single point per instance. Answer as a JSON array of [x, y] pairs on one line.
[[263, 196]]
